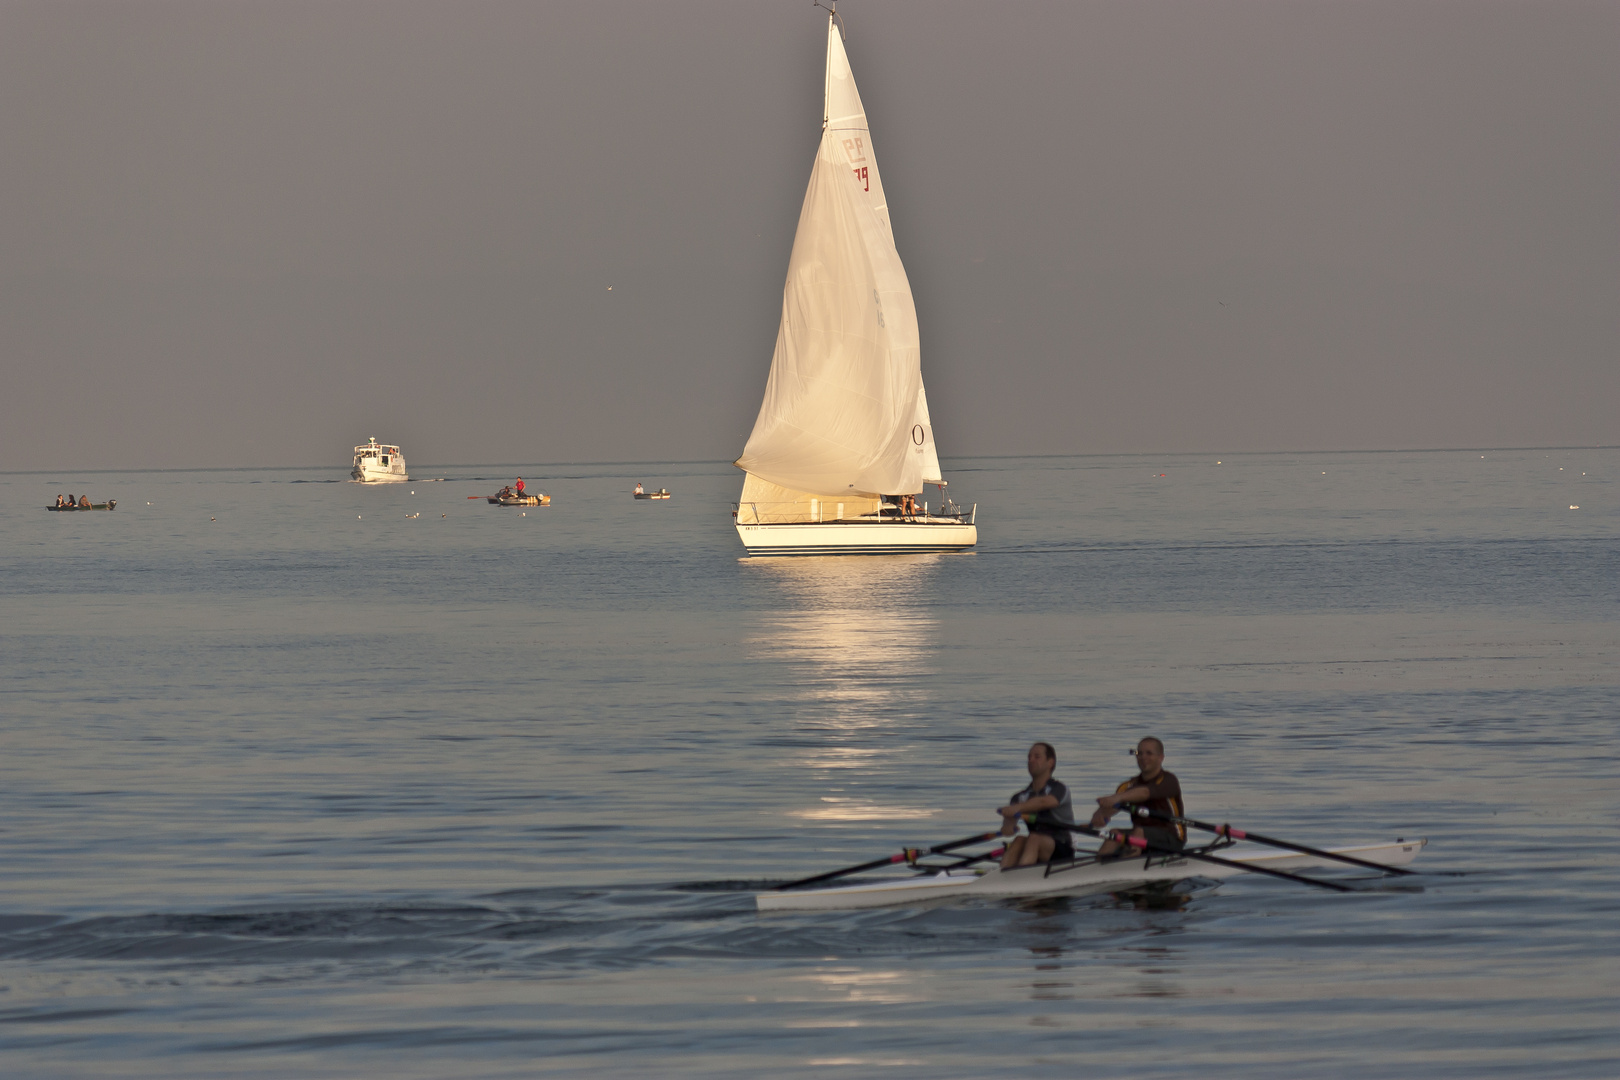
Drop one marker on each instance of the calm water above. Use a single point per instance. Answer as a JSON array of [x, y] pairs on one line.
[[298, 783]]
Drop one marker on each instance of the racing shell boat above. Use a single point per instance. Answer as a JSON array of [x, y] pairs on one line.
[[1077, 877]]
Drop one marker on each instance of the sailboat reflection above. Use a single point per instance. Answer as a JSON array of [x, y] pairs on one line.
[[856, 639]]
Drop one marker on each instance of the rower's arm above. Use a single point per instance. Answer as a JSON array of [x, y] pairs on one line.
[[1012, 812], [1108, 805]]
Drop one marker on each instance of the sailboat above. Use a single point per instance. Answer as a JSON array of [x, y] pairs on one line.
[[843, 445]]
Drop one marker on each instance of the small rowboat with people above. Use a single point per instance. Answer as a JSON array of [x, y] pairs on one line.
[[661, 493], [521, 500], [963, 877], [110, 504]]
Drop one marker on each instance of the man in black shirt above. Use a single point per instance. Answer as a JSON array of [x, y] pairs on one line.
[[1045, 807], [1151, 789]]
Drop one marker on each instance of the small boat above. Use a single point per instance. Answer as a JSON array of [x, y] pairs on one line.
[[843, 437], [378, 463], [1078, 877], [110, 504], [661, 493], [520, 500]]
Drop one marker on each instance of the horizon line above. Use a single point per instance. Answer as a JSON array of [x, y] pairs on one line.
[[723, 461]]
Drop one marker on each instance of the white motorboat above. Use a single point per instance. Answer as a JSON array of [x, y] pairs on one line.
[[843, 442], [1077, 878], [378, 463]]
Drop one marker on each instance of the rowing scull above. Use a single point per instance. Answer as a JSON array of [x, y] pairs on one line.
[[1079, 878]]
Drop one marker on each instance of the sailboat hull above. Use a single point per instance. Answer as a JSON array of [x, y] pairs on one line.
[[857, 537]]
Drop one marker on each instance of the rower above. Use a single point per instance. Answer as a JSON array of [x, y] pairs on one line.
[[638, 488], [1151, 789], [1045, 807]]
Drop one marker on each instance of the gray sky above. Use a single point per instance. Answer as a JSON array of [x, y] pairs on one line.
[[256, 233]]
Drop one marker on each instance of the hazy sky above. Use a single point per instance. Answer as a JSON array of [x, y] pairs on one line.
[[256, 233]]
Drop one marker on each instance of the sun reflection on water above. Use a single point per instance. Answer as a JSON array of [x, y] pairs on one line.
[[856, 639]]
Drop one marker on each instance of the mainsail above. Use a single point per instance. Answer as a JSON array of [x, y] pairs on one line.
[[845, 416]]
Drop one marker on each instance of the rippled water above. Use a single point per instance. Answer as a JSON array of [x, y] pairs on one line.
[[298, 785]]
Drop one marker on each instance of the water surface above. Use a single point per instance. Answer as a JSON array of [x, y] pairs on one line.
[[305, 779]]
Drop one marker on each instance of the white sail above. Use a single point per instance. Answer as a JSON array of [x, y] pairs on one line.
[[844, 403], [922, 438]]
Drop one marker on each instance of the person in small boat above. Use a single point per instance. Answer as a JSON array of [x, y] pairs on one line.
[[59, 498], [505, 492], [1045, 807], [84, 502], [1153, 789], [638, 488], [520, 487]]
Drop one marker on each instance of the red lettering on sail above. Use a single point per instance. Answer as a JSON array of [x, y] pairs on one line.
[[860, 174]]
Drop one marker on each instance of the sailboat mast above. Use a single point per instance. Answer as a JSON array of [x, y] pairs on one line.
[[826, 79]]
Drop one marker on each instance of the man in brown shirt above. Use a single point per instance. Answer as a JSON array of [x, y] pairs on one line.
[[1152, 789]]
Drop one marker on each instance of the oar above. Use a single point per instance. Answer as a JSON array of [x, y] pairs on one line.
[[908, 855], [1239, 834], [993, 853], [1216, 859]]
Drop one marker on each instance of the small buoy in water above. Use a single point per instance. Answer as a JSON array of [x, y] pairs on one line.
[[357, 517], [523, 513], [413, 492], [1572, 506]]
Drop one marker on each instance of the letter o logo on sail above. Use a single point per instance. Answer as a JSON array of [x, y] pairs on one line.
[[918, 434]]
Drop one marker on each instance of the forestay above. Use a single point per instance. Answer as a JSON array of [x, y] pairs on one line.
[[845, 417]]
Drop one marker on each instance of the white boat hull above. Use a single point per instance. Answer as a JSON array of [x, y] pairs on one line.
[[858, 537], [1080, 880], [377, 474]]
